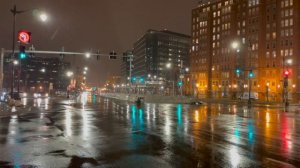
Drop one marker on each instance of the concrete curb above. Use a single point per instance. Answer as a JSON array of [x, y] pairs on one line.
[[254, 103], [150, 98]]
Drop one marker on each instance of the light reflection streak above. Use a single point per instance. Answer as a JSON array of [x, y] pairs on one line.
[[39, 101], [286, 135], [12, 130], [268, 120], [154, 112], [179, 114], [133, 117], [197, 116], [24, 101], [85, 125], [84, 98], [250, 132], [68, 123], [141, 121], [148, 113], [167, 128], [41, 115], [127, 112], [234, 157], [46, 103]]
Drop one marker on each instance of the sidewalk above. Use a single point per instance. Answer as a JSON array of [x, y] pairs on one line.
[[245, 102]]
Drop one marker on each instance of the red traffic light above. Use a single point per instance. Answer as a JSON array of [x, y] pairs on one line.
[[286, 73], [24, 36]]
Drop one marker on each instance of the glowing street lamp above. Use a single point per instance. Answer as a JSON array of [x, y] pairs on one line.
[[289, 61], [16, 62], [87, 55], [235, 45], [168, 65], [43, 17], [69, 74]]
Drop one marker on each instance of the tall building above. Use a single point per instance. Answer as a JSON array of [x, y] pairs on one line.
[[242, 45], [156, 49]]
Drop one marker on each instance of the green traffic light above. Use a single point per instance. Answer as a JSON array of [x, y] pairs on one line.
[[142, 80], [22, 55], [251, 75], [180, 83]]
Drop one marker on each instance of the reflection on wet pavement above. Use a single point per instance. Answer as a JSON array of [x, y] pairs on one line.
[[109, 133]]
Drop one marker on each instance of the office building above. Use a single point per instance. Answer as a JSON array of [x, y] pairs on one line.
[[246, 45], [160, 54]]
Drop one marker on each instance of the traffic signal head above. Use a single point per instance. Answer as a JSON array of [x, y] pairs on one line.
[[133, 79], [286, 73], [180, 83], [22, 53], [238, 71], [142, 80], [113, 55], [251, 74]]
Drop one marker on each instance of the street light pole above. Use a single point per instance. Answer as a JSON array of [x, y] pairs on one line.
[[130, 71], [250, 76], [285, 83], [14, 11], [249, 90]]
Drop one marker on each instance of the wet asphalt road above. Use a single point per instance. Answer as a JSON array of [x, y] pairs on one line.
[[110, 133]]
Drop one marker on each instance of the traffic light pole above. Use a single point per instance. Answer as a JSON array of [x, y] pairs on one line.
[[285, 91], [3, 51], [14, 11], [130, 71], [249, 91]]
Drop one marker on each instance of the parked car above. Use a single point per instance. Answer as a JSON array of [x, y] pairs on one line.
[[245, 96]]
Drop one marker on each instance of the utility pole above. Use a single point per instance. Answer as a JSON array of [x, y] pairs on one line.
[[130, 71]]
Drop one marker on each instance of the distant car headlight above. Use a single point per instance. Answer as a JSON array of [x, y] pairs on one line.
[[46, 95], [25, 94], [35, 95]]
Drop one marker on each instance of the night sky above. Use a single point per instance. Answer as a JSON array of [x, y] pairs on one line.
[[107, 25]]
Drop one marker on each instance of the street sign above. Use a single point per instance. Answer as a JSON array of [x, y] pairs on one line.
[[24, 36]]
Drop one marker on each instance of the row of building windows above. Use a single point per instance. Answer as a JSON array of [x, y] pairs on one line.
[[286, 3]]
